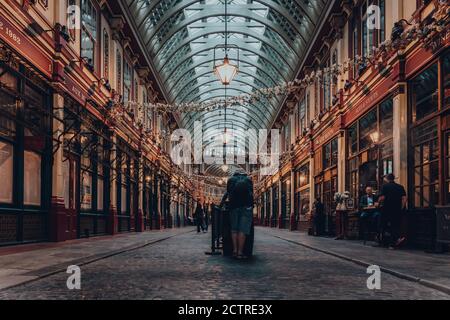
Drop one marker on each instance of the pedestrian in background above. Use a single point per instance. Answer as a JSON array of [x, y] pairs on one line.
[[206, 207], [199, 217], [318, 218]]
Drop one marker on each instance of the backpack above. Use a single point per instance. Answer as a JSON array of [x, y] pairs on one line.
[[240, 195]]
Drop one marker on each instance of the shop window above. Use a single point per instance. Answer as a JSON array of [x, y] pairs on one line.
[[353, 177], [364, 40], [32, 179], [302, 176], [303, 113], [86, 190], [8, 80], [123, 198], [426, 165], [127, 81], [6, 172], [370, 149], [326, 89], [304, 202], [100, 179], [7, 128], [368, 130], [330, 154], [88, 31], [386, 121], [123, 185], [447, 159], [424, 89], [71, 17], [353, 138]]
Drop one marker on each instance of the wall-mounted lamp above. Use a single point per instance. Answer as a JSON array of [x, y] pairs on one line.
[[104, 82], [63, 31]]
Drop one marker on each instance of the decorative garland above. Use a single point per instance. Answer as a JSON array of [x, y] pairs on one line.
[[400, 39]]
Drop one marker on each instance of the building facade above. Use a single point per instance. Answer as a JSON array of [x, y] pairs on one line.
[[349, 131], [69, 166]]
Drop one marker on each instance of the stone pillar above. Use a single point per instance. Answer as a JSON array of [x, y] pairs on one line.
[[140, 207], [59, 226], [271, 213], [341, 162], [312, 189], [292, 199], [312, 193], [280, 185], [113, 220], [400, 135]]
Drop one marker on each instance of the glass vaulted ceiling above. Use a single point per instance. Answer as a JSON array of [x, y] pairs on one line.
[[180, 36]]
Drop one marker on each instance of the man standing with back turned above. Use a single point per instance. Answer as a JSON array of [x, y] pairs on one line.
[[240, 194], [393, 197]]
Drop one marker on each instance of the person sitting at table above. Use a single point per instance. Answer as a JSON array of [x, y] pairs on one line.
[[368, 206]]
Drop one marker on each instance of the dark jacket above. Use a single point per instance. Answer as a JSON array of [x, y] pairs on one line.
[[363, 202], [243, 200], [198, 214]]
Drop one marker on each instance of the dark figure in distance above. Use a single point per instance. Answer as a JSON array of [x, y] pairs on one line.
[[318, 218], [199, 217]]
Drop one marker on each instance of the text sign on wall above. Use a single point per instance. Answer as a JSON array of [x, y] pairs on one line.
[[443, 224], [18, 41], [75, 90]]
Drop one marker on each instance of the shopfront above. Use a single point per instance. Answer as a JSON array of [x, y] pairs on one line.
[[25, 152], [370, 150], [275, 205], [86, 172], [429, 172], [284, 220], [149, 199], [126, 182], [262, 208], [325, 181], [302, 196], [165, 200]]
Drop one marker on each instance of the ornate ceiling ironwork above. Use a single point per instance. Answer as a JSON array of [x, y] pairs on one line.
[[180, 36]]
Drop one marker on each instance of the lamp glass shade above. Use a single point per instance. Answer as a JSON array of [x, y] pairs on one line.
[[226, 71]]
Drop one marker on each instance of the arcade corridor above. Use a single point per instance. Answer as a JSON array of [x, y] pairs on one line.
[[322, 124]]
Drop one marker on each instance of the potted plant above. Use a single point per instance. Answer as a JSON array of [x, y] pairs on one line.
[[341, 200]]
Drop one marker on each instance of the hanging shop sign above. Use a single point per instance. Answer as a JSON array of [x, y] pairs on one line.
[[19, 42]]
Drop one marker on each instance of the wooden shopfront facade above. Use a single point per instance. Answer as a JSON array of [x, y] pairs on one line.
[[25, 150]]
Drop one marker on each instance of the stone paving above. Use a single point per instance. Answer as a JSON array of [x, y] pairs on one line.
[[414, 263], [19, 264], [177, 268]]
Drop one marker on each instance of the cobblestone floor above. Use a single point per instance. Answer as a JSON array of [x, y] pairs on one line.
[[177, 268]]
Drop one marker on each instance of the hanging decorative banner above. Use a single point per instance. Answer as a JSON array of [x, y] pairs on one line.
[[401, 38]]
